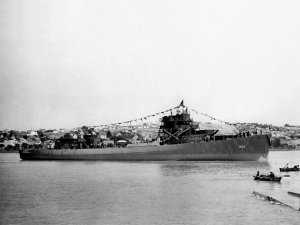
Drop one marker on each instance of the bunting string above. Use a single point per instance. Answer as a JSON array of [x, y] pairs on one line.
[[211, 117], [163, 113]]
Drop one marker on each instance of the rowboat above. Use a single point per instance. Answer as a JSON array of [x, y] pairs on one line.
[[267, 178]]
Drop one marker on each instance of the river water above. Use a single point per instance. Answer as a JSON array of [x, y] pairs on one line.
[[96, 192]]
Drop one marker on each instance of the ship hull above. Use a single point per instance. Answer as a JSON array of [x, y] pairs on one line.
[[237, 149]]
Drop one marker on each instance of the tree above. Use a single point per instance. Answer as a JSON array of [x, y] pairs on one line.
[[108, 134]]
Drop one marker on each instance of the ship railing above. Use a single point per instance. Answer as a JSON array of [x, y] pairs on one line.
[[175, 135]]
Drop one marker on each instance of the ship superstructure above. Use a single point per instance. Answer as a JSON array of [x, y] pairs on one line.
[[180, 128]]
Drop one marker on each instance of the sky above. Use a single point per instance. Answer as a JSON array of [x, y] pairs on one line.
[[70, 63]]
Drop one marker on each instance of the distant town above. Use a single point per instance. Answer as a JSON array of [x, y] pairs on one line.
[[286, 137]]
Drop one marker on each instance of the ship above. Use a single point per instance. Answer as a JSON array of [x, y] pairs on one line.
[[179, 138]]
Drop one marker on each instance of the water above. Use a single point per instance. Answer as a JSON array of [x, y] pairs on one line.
[[95, 192]]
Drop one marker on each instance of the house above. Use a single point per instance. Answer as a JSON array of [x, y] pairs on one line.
[[32, 133], [103, 135]]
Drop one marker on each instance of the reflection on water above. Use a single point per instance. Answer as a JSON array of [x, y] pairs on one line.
[[212, 168], [179, 168], [84, 192]]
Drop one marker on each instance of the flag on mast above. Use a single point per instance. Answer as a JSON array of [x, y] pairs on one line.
[[181, 104]]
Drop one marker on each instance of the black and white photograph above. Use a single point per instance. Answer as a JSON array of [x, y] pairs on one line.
[[150, 112]]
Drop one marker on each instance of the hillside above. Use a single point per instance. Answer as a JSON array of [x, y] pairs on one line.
[[287, 137]]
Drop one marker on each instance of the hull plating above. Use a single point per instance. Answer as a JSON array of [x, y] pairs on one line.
[[244, 149]]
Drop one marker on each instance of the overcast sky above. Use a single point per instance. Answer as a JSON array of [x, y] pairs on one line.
[[70, 63]]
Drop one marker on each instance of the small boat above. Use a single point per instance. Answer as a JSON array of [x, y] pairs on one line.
[[267, 178], [287, 169]]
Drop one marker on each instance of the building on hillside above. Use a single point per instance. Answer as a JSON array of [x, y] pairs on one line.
[[32, 133], [103, 135]]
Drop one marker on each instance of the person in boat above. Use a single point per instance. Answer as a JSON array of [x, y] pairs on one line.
[[257, 174], [272, 175]]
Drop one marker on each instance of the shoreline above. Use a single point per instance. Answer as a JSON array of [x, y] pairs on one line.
[[284, 149], [7, 151], [271, 149]]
